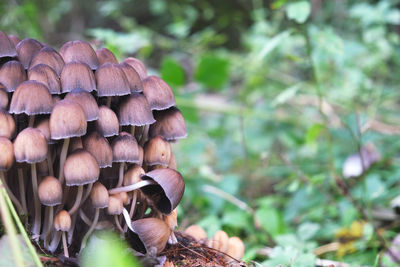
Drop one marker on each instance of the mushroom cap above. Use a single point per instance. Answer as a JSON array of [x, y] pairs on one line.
[[135, 110], [169, 124], [172, 162], [7, 47], [7, 124], [87, 102], [44, 126], [14, 39], [30, 146], [196, 232], [157, 151], [46, 75], [124, 197], [12, 74], [134, 80], [149, 233], [50, 191], [105, 56], [125, 148], [48, 56], [158, 93], [81, 168], [74, 144], [168, 191], [235, 248], [77, 75], [219, 241], [3, 97], [141, 155], [171, 219], [111, 81], [99, 196], [62, 221], [115, 205], [79, 51], [133, 174], [67, 120], [137, 65], [7, 154], [26, 50], [107, 124], [98, 146]]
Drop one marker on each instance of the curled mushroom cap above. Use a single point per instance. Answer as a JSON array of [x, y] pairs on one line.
[[12, 74], [125, 148], [196, 232], [48, 56], [169, 124], [50, 191], [137, 65], [87, 102], [235, 248], [7, 124], [26, 49], [77, 75], [168, 190], [107, 124], [99, 147], [81, 168], [7, 47], [135, 110], [111, 81], [157, 151], [30, 146], [7, 154], [158, 93], [105, 56], [46, 75], [219, 241], [99, 196], [79, 51], [62, 221]]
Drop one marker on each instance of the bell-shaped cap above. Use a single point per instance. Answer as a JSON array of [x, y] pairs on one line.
[[43, 125], [48, 56], [149, 234], [67, 120], [196, 232], [62, 221], [31, 98], [26, 50], [79, 51], [134, 80], [107, 124], [137, 65], [98, 146], [125, 148], [115, 205], [135, 110], [12, 74], [105, 56], [74, 144], [77, 75], [124, 197], [111, 81], [30, 146], [7, 154], [172, 162], [7, 124], [168, 190], [3, 97], [133, 174], [99, 196], [141, 155], [87, 102], [169, 124], [50, 191], [158, 93], [235, 248], [14, 39], [219, 241], [46, 75], [81, 168], [157, 151], [7, 47]]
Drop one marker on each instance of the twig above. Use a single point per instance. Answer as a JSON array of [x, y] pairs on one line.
[[228, 197]]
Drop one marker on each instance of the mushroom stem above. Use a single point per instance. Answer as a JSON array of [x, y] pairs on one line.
[[72, 229], [91, 229], [31, 120], [87, 193], [116, 219], [64, 241], [13, 198], [132, 210], [21, 184], [133, 130], [49, 223], [55, 241], [63, 157], [108, 101], [100, 224], [38, 210], [131, 187], [144, 134], [121, 173], [172, 238], [50, 162], [78, 198]]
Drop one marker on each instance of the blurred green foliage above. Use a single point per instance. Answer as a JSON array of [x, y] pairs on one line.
[[276, 95]]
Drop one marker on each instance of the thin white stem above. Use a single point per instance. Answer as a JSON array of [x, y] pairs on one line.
[[133, 130], [121, 173], [31, 120], [132, 210], [100, 225], [38, 209], [46, 233], [108, 101], [64, 241], [21, 183], [91, 229], [63, 157], [87, 193], [55, 241], [49, 162], [144, 134], [118, 224], [131, 187], [78, 198], [13, 198]]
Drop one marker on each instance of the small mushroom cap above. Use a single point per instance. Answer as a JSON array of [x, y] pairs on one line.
[[135, 110], [62, 221], [132, 175], [7, 154], [3, 97], [134, 80], [14, 39], [150, 233], [7, 47], [115, 205], [67, 120], [124, 197], [125, 148], [77, 75], [7, 124], [12, 74], [50, 191], [169, 124], [81, 168], [158, 93], [100, 149], [196, 232], [105, 56], [30, 146], [46, 75], [99, 196], [87, 102], [107, 124], [44, 126], [157, 151], [137, 65], [26, 50], [172, 162], [168, 191], [235, 248], [42, 169], [141, 155], [79, 51], [48, 56], [171, 219], [219, 241], [111, 81]]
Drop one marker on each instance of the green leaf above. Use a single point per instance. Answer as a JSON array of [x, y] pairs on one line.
[[212, 71], [6, 255], [271, 220], [237, 218], [298, 11], [314, 132], [172, 72], [307, 230]]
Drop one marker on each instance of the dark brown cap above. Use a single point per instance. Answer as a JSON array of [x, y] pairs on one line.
[[62, 221], [7, 48], [12, 74], [81, 168], [134, 80], [158, 93], [157, 151], [169, 124], [168, 191], [100, 149], [77, 75], [87, 102], [99, 196], [26, 49], [46, 75], [14, 39], [107, 124], [111, 81], [137, 65], [7, 154], [80, 51], [50, 57], [7, 124], [50, 191], [30, 146], [135, 110], [125, 148], [32, 98], [105, 56]]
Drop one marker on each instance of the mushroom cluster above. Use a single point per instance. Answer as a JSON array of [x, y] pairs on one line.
[[85, 143]]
